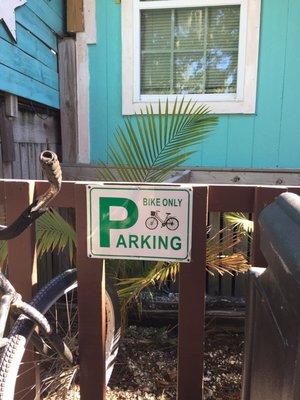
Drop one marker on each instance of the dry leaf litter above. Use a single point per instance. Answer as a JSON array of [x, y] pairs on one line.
[[146, 368]]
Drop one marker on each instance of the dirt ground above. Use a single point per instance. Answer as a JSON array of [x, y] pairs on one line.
[[146, 366]]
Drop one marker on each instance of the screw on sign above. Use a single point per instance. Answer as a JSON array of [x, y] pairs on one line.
[[123, 224]]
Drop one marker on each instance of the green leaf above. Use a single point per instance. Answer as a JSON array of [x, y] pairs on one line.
[[148, 147], [53, 232]]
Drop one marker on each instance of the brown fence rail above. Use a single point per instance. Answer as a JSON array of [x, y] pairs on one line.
[[16, 195]]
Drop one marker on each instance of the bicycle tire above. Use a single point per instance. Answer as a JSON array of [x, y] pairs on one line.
[[172, 223], [151, 223], [22, 330]]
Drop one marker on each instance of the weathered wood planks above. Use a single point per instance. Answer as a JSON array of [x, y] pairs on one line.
[[29, 67], [68, 99], [75, 17]]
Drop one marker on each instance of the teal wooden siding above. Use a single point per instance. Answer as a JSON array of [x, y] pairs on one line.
[[268, 139], [29, 67]]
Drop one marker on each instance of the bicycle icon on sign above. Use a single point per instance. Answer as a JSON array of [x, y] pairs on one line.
[[170, 222]]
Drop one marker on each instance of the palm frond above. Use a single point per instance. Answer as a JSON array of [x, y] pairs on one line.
[[53, 232], [148, 146], [131, 288], [217, 261], [218, 249], [240, 221]]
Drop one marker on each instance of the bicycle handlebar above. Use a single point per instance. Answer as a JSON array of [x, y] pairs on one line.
[[52, 170]]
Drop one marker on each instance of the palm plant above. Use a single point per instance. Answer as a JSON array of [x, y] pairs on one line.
[[217, 261], [149, 147]]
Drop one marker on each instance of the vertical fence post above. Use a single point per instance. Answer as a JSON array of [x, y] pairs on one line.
[[91, 304], [22, 267], [192, 305]]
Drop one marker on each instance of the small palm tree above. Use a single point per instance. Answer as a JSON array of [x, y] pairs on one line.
[[148, 149]]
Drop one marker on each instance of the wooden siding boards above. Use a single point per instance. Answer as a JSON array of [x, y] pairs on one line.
[[239, 145], [29, 68], [57, 5], [270, 138], [21, 85], [32, 46], [290, 121], [48, 15], [270, 84], [98, 58], [16, 59]]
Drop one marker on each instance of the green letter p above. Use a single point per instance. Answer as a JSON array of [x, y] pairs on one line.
[[106, 224]]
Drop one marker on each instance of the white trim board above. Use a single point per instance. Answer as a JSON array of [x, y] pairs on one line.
[[83, 79], [243, 102]]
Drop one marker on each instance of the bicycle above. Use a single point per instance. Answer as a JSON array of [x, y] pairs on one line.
[[152, 222], [53, 311]]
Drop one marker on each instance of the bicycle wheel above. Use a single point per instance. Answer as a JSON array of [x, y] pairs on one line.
[[151, 223], [172, 223], [58, 381]]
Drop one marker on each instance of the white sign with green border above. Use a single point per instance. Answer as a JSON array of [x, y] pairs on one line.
[[140, 222]]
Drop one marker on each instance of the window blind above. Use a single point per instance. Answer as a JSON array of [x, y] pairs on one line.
[[189, 50]]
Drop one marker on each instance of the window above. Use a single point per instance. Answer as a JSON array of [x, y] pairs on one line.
[[204, 50]]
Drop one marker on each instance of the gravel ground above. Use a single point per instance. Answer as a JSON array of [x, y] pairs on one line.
[[146, 366]]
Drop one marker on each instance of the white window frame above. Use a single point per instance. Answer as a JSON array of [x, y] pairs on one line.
[[241, 102]]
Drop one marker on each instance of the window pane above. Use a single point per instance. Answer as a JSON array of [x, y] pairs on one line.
[[156, 29], [189, 72], [189, 29], [189, 50], [155, 77], [221, 71], [223, 27]]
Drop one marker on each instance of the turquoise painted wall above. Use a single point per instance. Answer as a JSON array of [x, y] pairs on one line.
[[268, 139], [29, 68]]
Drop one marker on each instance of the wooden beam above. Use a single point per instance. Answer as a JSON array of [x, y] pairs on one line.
[[7, 136], [68, 99], [11, 105], [75, 16], [22, 271], [284, 177], [91, 305], [192, 306]]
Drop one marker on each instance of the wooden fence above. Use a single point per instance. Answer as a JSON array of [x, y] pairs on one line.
[[16, 195]]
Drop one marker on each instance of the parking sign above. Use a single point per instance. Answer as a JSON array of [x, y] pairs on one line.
[[139, 222]]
